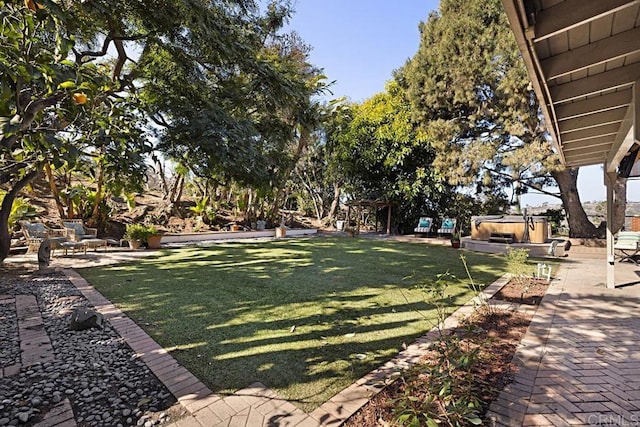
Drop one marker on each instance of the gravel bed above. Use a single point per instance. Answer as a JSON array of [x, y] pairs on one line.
[[95, 369], [10, 348]]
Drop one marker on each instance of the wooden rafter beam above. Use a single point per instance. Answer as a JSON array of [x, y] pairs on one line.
[[624, 138], [596, 156], [597, 104], [600, 141], [572, 13], [586, 161], [616, 78], [596, 53], [593, 120], [609, 130]]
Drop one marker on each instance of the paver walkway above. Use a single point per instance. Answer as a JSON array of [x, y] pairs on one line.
[[35, 347], [579, 363]]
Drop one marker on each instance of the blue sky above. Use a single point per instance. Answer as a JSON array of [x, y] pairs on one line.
[[359, 43]]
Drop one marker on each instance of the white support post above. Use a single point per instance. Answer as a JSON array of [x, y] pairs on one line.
[[635, 102], [610, 180]]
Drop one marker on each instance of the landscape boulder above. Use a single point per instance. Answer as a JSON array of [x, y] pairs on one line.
[[85, 318]]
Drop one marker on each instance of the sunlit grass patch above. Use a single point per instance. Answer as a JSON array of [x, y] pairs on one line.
[[305, 317]]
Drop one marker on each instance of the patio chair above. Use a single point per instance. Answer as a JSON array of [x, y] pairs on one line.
[[35, 232], [85, 237], [627, 246], [77, 231], [424, 226], [448, 226]]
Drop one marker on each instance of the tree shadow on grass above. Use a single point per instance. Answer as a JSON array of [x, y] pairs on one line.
[[304, 317]]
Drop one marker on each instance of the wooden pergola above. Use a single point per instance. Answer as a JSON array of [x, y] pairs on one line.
[[378, 204]]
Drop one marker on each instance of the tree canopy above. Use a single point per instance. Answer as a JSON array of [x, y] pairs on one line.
[[470, 93], [210, 83], [473, 98]]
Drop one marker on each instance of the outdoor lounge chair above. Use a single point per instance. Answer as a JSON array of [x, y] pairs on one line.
[[448, 226], [77, 231], [424, 225], [35, 232], [85, 237], [627, 246]]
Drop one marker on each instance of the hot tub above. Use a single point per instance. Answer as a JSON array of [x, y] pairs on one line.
[[483, 226]]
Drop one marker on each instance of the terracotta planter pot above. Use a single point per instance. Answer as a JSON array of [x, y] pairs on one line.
[[153, 242], [281, 232]]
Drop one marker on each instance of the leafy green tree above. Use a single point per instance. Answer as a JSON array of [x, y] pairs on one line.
[[470, 91], [211, 79], [333, 156], [47, 101], [383, 155]]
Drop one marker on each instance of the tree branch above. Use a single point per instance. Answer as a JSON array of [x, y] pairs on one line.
[[525, 183], [29, 116]]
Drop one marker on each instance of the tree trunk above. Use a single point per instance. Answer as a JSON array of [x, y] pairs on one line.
[[98, 199], [54, 190], [5, 211], [308, 187], [619, 205], [579, 223], [163, 178], [176, 194], [335, 202]]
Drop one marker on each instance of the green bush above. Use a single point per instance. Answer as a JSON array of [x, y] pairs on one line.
[[442, 391], [139, 232], [555, 218], [519, 268]]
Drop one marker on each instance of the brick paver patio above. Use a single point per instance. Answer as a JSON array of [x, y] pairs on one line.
[[579, 363]]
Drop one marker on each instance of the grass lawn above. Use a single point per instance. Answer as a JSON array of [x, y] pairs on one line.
[[305, 317]]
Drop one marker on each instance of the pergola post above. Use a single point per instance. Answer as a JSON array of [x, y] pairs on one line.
[[389, 219]]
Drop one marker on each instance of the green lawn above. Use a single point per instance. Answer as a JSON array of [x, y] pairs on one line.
[[227, 312]]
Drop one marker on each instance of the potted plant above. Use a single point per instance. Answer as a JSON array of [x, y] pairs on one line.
[[154, 237], [455, 239], [136, 234]]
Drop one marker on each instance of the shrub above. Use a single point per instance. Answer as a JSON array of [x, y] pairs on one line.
[[139, 232], [442, 391], [519, 268], [555, 218]]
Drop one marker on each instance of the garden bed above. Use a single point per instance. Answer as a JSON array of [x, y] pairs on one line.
[[492, 335]]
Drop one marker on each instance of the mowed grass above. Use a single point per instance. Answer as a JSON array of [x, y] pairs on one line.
[[305, 317]]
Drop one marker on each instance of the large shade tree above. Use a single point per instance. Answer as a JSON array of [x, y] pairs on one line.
[[200, 70], [47, 102], [382, 155], [471, 93]]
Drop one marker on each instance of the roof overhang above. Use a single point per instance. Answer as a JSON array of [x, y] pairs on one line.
[[583, 57]]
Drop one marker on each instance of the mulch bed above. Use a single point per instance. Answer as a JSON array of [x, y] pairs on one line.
[[530, 292], [497, 333]]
